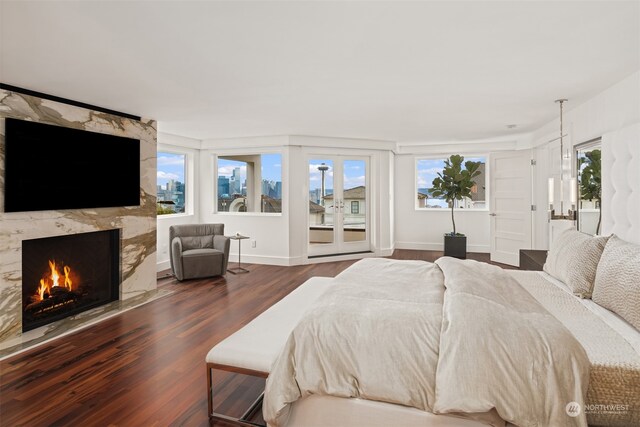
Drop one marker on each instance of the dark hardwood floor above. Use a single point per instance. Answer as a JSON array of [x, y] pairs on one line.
[[145, 367]]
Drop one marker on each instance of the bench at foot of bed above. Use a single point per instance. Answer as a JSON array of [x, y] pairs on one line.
[[253, 349]]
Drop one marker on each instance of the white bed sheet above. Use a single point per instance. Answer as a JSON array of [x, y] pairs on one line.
[[324, 411], [615, 322]]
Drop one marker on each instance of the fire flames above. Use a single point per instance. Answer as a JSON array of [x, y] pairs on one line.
[[52, 279]]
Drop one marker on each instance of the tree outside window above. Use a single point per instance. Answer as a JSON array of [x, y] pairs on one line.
[[427, 170]]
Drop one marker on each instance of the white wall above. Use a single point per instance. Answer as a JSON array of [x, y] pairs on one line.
[[190, 147], [281, 239], [613, 109], [424, 229], [269, 232], [380, 157]]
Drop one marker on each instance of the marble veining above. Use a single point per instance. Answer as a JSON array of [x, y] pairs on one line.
[[137, 223]]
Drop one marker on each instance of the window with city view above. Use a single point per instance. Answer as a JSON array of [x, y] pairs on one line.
[[171, 183], [427, 170], [250, 183]]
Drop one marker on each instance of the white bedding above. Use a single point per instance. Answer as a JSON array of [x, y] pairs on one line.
[[610, 344], [327, 410], [615, 322], [329, 351]]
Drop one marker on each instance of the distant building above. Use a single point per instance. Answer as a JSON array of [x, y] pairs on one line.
[[314, 196], [479, 191], [278, 190], [354, 207], [172, 196], [223, 186]]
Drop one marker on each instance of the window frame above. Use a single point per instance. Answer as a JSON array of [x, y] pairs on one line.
[[357, 205], [216, 154], [487, 176], [187, 177]]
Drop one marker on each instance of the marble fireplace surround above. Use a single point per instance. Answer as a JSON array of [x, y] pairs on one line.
[[137, 223]]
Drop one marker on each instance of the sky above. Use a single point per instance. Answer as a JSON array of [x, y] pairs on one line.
[[354, 170], [428, 170], [354, 174], [271, 167], [170, 166]]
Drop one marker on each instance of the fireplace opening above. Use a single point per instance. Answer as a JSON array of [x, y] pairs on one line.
[[66, 275]]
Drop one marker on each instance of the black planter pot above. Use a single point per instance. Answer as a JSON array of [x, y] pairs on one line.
[[455, 246]]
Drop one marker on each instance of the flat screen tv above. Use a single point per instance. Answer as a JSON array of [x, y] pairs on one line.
[[52, 168]]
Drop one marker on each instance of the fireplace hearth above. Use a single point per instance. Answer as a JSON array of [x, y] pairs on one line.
[[66, 275]]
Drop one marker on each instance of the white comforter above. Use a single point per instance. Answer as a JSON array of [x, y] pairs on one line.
[[390, 332]]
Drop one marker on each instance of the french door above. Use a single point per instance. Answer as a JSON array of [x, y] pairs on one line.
[[338, 205]]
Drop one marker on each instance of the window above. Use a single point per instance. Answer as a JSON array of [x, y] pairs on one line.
[[249, 183], [589, 187], [427, 170], [171, 183], [355, 207]]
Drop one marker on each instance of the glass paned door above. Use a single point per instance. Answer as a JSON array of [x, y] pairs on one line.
[[354, 200], [338, 205], [321, 209]]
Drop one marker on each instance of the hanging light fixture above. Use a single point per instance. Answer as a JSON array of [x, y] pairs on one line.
[[570, 213]]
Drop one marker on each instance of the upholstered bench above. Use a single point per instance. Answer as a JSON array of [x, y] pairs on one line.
[[253, 349]]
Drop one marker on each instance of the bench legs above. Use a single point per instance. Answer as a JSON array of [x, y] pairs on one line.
[[244, 418]]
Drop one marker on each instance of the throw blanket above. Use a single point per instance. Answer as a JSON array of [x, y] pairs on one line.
[[389, 332]]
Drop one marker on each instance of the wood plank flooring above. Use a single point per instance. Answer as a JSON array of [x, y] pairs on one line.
[[146, 366]]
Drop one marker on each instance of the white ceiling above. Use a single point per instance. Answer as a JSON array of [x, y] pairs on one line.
[[401, 71]]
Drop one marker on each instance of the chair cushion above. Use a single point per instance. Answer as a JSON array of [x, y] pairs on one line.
[[196, 242], [197, 263], [201, 253]]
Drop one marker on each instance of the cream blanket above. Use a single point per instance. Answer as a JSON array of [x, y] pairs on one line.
[[389, 332]]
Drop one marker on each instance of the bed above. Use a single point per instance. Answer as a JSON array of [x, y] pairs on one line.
[[592, 371]]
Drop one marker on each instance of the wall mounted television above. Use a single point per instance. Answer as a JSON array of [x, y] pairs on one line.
[[51, 167]]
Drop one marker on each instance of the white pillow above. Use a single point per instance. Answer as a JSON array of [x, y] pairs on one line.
[[617, 286], [573, 259]]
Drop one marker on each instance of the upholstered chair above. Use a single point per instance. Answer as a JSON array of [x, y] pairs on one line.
[[198, 250]]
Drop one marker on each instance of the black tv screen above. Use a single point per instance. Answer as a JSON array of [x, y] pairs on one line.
[[52, 167]]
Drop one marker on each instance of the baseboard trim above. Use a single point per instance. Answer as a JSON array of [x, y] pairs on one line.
[[342, 257], [261, 259], [386, 251], [163, 265], [340, 254], [421, 246]]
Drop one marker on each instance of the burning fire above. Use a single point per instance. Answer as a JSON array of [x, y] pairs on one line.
[[52, 279]]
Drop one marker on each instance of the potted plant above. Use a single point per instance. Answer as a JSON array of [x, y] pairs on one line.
[[455, 182]]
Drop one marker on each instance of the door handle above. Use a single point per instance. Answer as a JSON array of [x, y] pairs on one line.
[[493, 214]]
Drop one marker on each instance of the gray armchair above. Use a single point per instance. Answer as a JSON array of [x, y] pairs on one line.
[[198, 250]]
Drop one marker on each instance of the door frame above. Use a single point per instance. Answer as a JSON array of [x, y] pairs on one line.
[[495, 174], [339, 246]]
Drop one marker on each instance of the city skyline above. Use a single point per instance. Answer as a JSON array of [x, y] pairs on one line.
[[170, 167], [353, 170]]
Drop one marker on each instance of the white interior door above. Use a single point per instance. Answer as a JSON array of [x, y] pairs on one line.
[[510, 205], [338, 205]]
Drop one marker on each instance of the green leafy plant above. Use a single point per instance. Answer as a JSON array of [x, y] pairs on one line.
[[455, 182], [591, 180]]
